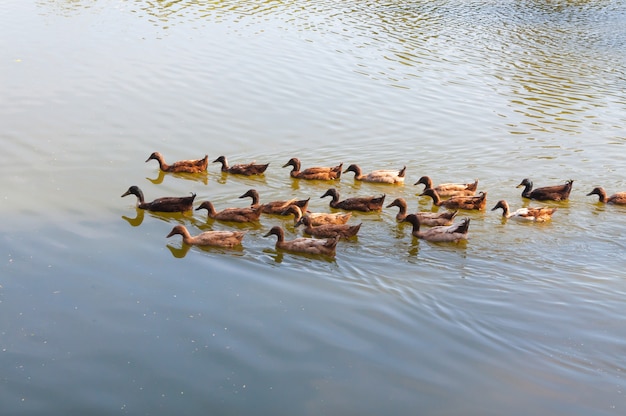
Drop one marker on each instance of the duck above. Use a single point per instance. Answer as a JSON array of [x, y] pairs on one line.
[[209, 238], [319, 173], [554, 193], [450, 233], [365, 204], [449, 189], [247, 169], [618, 198], [329, 230], [319, 218], [458, 202], [426, 218], [164, 204], [232, 214], [378, 176], [326, 246], [188, 166], [541, 214], [275, 207]]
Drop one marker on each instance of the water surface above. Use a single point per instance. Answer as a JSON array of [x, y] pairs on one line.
[[100, 313]]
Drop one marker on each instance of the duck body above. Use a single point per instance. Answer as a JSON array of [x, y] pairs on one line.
[[209, 238], [325, 247], [364, 204], [232, 214], [450, 233], [430, 219], [618, 198], [458, 202], [164, 204], [319, 218], [188, 166], [314, 173], [525, 214], [329, 230], [546, 193], [247, 169], [449, 189], [275, 207], [378, 176]]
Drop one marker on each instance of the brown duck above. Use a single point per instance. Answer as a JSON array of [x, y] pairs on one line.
[[164, 204], [247, 169], [319, 218], [617, 198], [378, 176], [458, 202], [449, 189], [319, 173], [232, 214], [365, 204], [189, 166], [554, 193], [329, 230], [209, 238], [326, 247], [538, 214], [275, 207], [450, 233], [426, 218]]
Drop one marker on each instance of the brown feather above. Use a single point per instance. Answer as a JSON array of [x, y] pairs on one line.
[[164, 204], [365, 204], [314, 173], [554, 193], [188, 166], [247, 169], [232, 214], [458, 202]]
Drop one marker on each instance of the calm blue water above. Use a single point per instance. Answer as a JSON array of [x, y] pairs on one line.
[[101, 314]]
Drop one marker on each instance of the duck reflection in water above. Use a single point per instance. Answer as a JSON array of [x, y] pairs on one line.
[[163, 216], [202, 177], [181, 251]]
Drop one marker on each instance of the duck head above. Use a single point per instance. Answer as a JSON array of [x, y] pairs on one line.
[[331, 192], [155, 156], [178, 229], [294, 162]]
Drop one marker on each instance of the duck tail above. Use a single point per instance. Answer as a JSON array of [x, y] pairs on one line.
[[463, 226]]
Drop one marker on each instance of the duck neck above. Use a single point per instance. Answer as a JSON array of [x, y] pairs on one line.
[[140, 198], [436, 198], [297, 213], [162, 165], [210, 208], [402, 209], [280, 237], [527, 189], [506, 212], [295, 167], [335, 199], [255, 199], [416, 227], [358, 174], [187, 238]]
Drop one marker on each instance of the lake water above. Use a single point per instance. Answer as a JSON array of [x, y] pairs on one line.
[[101, 314]]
